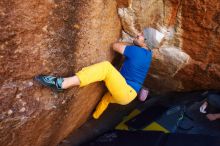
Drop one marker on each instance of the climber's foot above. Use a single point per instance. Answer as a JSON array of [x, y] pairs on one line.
[[51, 82]]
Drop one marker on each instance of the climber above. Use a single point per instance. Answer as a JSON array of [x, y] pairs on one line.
[[122, 86]]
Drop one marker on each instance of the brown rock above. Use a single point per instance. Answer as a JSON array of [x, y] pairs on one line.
[[60, 37], [50, 37], [123, 3]]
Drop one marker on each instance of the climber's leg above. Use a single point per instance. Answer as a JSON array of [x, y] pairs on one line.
[[87, 75], [70, 81], [121, 92], [94, 73], [102, 106]]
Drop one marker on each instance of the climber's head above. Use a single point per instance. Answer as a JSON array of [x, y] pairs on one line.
[[139, 40]]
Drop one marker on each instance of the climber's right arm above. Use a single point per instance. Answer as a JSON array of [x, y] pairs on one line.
[[120, 47]]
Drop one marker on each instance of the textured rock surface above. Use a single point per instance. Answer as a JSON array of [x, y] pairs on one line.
[[191, 59], [55, 37], [59, 37]]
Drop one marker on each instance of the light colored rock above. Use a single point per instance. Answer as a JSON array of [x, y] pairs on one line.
[[18, 96], [175, 57], [10, 112], [22, 110], [128, 20], [64, 101]]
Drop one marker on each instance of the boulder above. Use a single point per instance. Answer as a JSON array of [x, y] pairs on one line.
[[56, 37], [59, 37]]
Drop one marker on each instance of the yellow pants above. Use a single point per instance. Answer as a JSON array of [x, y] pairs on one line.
[[119, 91]]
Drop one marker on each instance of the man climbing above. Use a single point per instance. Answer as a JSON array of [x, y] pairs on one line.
[[122, 86]]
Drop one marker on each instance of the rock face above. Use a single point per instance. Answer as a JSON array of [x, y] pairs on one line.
[[56, 37], [190, 60], [59, 37]]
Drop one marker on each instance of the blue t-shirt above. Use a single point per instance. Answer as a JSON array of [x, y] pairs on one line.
[[136, 65]]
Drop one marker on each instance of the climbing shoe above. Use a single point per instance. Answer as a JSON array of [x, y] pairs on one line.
[[50, 81]]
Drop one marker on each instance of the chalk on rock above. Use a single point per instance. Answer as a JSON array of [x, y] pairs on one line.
[[18, 96], [10, 112], [22, 110], [30, 84], [64, 101]]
